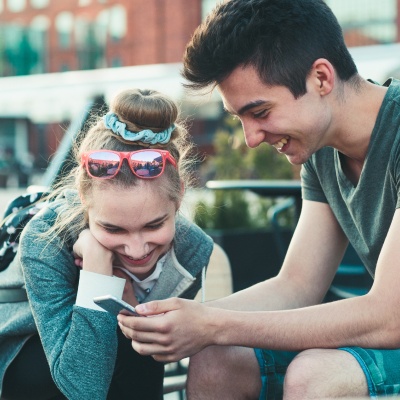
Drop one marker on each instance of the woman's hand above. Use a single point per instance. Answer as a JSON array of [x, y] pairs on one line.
[[129, 293], [92, 256]]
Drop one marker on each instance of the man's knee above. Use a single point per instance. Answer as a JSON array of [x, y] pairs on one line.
[[301, 374], [329, 373], [230, 372], [203, 365]]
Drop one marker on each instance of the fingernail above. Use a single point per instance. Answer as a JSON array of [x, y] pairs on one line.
[[141, 308]]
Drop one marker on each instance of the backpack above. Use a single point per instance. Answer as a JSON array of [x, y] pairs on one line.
[[17, 214]]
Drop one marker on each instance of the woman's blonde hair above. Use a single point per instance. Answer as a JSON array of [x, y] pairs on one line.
[[139, 109]]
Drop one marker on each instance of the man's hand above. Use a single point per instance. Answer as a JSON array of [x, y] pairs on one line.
[[174, 329]]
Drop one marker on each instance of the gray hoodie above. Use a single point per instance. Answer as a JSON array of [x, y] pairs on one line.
[[80, 344]]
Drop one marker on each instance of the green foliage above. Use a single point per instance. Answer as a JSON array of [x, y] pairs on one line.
[[229, 210], [234, 160]]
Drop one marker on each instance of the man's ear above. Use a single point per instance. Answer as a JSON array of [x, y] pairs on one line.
[[323, 76]]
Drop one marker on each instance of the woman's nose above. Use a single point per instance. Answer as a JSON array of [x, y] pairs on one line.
[[136, 247]]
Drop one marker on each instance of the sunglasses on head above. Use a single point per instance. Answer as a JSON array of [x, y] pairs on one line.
[[145, 164]]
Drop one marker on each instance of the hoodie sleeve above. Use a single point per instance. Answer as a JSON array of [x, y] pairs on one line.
[[193, 247], [80, 344]]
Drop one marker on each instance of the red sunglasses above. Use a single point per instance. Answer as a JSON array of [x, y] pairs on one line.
[[145, 164]]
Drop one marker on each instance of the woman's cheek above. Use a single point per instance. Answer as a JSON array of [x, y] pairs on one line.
[[104, 239], [168, 235]]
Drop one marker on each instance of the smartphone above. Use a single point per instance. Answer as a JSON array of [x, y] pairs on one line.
[[115, 306]]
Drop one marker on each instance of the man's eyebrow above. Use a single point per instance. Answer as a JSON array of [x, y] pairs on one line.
[[248, 106]]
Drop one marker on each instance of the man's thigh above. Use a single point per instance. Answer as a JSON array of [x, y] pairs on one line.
[[224, 372], [381, 368], [353, 370], [324, 374]]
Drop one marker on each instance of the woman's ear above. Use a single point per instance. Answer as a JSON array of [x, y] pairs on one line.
[[181, 194], [85, 211], [81, 198]]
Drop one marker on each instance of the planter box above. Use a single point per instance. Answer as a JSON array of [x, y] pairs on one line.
[[256, 255], [253, 254]]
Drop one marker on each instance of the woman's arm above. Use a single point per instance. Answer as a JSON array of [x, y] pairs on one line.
[[80, 344]]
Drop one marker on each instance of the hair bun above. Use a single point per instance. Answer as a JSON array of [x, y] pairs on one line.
[[144, 109]]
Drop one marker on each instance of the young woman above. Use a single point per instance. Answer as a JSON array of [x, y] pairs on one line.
[[111, 228]]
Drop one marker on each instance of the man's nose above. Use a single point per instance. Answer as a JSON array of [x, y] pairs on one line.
[[252, 135]]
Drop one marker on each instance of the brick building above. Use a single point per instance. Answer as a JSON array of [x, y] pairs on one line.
[[103, 37], [38, 37], [52, 36]]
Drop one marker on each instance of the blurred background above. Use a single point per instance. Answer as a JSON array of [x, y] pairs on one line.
[[62, 60], [58, 57]]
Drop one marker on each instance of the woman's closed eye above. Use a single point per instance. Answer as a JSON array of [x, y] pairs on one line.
[[156, 226], [112, 229]]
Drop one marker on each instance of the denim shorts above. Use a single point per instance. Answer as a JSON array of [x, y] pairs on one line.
[[273, 365], [381, 368]]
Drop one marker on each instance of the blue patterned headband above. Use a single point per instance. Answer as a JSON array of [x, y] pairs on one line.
[[146, 136]]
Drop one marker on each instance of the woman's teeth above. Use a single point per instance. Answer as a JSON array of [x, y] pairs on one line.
[[137, 259]]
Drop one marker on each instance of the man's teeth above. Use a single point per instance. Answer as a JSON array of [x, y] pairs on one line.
[[281, 143]]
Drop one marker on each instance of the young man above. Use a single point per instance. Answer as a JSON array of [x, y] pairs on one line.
[[282, 67]]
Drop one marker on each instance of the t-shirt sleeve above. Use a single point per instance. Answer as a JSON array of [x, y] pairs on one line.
[[310, 185], [396, 169]]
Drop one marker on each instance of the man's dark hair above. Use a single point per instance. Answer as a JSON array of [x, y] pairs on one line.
[[281, 39]]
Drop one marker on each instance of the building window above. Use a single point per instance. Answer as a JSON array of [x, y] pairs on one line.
[[90, 50], [16, 5], [38, 35], [64, 24], [19, 55], [118, 23], [102, 23], [366, 22], [40, 3], [116, 62]]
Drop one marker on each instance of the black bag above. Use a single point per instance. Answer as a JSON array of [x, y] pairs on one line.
[[17, 214]]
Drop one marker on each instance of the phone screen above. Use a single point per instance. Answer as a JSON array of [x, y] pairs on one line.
[[115, 306]]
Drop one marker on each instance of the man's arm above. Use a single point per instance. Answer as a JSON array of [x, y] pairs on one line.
[[316, 249], [318, 245]]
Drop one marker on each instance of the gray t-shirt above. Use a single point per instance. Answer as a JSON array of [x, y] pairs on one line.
[[364, 211]]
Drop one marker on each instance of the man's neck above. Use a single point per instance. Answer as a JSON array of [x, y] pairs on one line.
[[356, 116]]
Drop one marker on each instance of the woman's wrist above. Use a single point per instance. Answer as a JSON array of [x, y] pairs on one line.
[[98, 262]]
